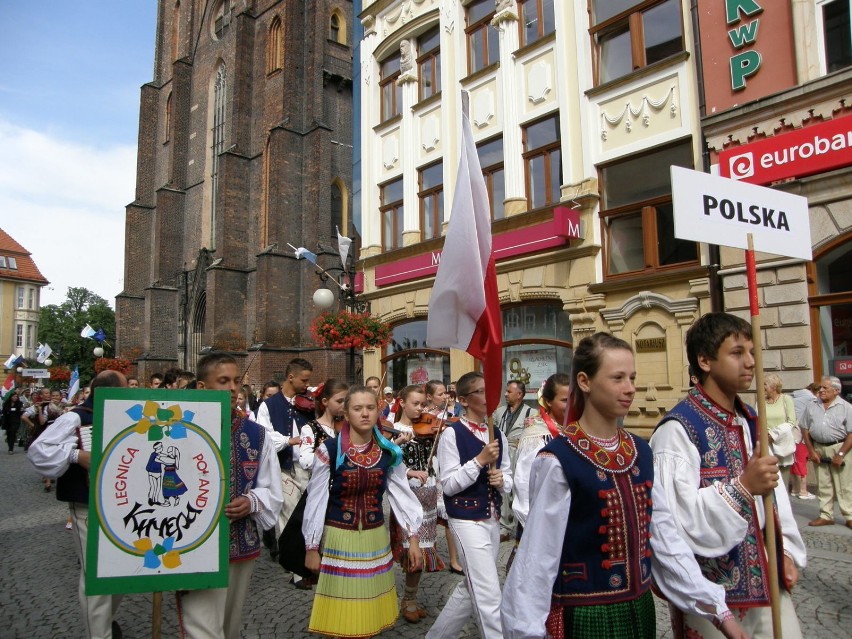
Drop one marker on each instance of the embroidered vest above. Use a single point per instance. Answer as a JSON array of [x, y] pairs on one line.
[[355, 493], [247, 439], [282, 414], [714, 432], [474, 502], [606, 555], [74, 483]]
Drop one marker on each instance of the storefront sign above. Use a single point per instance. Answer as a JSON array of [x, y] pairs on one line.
[[420, 371], [814, 149], [717, 210], [159, 484], [842, 367], [747, 50], [531, 365], [564, 226], [650, 344]]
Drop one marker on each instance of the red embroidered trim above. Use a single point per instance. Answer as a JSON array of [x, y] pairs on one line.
[[620, 460]]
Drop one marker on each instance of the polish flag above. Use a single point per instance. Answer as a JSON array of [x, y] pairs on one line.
[[464, 309], [8, 385]]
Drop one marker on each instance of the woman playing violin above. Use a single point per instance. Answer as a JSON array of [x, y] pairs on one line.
[[419, 427], [329, 409]]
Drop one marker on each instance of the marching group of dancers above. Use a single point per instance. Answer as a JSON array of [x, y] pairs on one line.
[[604, 515]]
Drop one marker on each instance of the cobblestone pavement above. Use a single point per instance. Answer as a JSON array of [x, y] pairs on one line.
[[38, 580]]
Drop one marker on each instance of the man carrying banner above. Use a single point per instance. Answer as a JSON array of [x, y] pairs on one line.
[[60, 453], [255, 501]]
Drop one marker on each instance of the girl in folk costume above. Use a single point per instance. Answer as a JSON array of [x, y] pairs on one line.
[[544, 427], [356, 593], [437, 403], [417, 457], [595, 482], [330, 396]]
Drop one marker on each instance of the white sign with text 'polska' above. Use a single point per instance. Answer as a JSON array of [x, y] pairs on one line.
[[718, 210]]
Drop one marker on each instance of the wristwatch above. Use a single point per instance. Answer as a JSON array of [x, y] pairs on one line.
[[840, 453]]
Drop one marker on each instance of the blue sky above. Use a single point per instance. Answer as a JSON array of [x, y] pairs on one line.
[[69, 115]]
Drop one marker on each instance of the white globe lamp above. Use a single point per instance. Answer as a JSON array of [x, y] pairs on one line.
[[98, 351], [323, 298], [48, 362]]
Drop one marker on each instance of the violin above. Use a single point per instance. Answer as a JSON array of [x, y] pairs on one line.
[[387, 427], [305, 403], [426, 425]]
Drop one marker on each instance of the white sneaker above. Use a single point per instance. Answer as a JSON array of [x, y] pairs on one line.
[[806, 496]]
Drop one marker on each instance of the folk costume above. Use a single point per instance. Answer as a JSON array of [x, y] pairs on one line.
[[216, 613], [282, 420], [700, 450], [356, 591], [594, 579], [416, 455], [54, 455], [473, 510], [534, 437], [312, 435]]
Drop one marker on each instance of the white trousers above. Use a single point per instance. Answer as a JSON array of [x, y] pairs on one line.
[[97, 610], [757, 623], [293, 484], [215, 613], [478, 543]]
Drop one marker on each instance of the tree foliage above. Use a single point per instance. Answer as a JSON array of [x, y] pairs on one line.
[[60, 326]]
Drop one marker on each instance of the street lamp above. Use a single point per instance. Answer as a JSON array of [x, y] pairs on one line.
[[98, 351], [324, 298], [48, 362]]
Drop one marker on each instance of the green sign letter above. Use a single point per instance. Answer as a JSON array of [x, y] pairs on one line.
[[734, 7], [743, 65], [744, 34]]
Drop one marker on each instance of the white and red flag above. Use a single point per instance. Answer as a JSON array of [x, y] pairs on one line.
[[8, 385], [464, 310]]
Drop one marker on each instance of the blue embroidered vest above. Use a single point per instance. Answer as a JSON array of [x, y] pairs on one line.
[[714, 432], [74, 483], [606, 555], [247, 440], [355, 493], [282, 414], [474, 502]]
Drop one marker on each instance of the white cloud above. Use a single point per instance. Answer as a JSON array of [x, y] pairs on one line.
[[65, 202]]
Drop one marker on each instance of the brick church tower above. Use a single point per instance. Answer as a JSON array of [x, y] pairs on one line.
[[245, 145]]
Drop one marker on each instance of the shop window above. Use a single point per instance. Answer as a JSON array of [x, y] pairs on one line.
[[491, 161], [429, 63], [483, 48], [637, 213], [836, 27], [536, 344], [542, 162], [390, 90], [431, 196], [536, 20], [392, 215], [410, 360], [630, 35], [832, 320]]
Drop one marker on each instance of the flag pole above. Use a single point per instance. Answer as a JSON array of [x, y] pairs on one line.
[[763, 435]]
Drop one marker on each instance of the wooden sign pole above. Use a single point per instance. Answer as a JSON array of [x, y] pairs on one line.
[[156, 615]]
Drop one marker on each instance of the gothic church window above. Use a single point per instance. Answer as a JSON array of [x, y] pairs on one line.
[[275, 53]]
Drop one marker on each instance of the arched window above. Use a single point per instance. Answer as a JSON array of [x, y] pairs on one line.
[[339, 207], [275, 51], [222, 18], [337, 27], [217, 143], [176, 32], [168, 122], [409, 359]]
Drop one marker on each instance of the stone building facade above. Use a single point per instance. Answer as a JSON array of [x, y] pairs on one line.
[[245, 146]]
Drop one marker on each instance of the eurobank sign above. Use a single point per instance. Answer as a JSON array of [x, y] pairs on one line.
[[807, 151]]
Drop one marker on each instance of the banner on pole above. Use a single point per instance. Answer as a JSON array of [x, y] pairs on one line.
[[718, 210], [158, 487]]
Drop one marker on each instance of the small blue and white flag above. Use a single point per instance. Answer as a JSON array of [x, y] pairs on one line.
[[100, 335], [43, 352], [74, 387], [9, 363], [303, 253], [87, 332]]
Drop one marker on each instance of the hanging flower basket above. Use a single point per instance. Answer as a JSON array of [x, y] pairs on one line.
[[350, 330], [114, 364]]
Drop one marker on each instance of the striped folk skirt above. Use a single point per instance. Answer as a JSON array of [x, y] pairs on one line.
[[356, 592]]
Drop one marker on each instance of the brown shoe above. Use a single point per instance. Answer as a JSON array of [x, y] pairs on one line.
[[819, 521], [421, 611], [849, 524], [409, 612]]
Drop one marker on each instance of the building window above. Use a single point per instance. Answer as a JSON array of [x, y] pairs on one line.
[[411, 361], [2, 262], [31, 299], [491, 161], [275, 44], [483, 48], [176, 31], [19, 336], [429, 63], [536, 344], [542, 162], [637, 215], [168, 118], [12, 263], [29, 336], [337, 27], [338, 208], [431, 196], [392, 215], [20, 297], [222, 18], [390, 90], [836, 33], [218, 143], [629, 38], [536, 20]]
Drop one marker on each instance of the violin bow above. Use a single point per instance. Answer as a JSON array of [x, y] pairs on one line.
[[441, 420]]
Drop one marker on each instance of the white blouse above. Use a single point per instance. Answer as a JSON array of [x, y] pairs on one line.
[[403, 503], [306, 448], [455, 476], [529, 585]]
